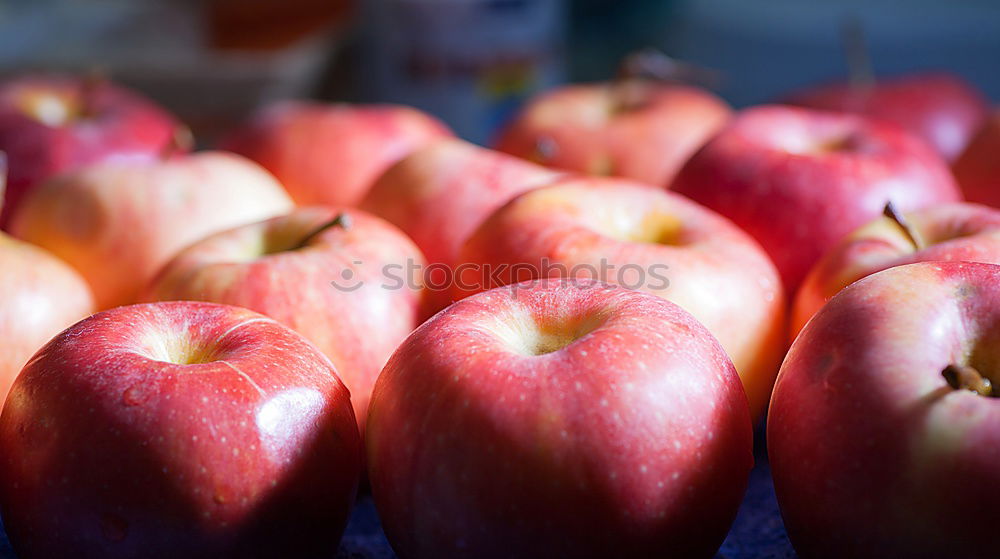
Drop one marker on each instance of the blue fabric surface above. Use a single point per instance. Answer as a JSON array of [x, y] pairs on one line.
[[757, 533]]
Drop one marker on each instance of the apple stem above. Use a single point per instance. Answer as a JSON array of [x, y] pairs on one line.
[[860, 72], [650, 64], [95, 79], [181, 141], [342, 220], [911, 233], [964, 377]]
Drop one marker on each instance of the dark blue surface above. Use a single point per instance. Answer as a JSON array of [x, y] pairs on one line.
[[757, 533]]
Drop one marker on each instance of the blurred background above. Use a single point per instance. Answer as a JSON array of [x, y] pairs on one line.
[[471, 62]]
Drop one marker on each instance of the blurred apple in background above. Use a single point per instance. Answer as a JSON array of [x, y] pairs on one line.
[[330, 154], [118, 222], [884, 427], [638, 129], [338, 277], [941, 108], [50, 124], [798, 180], [957, 231], [559, 418], [439, 194], [178, 430], [978, 168], [623, 233]]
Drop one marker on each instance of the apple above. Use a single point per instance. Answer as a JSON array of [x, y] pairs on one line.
[[978, 168], [941, 108], [283, 268], [50, 124], [956, 231], [178, 429], [329, 154], [118, 222], [558, 418], [441, 193], [881, 434], [624, 233], [798, 180], [638, 129]]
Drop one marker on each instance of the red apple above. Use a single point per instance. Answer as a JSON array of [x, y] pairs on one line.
[[439, 194], [799, 180], [118, 222], [623, 233], [558, 419], [642, 130], [941, 108], [957, 231], [178, 430], [331, 154], [284, 267], [978, 168], [879, 446], [50, 124]]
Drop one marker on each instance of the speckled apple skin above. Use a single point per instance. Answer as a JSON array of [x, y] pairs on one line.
[[873, 454], [775, 173], [111, 452], [957, 231], [713, 270], [632, 441], [357, 326]]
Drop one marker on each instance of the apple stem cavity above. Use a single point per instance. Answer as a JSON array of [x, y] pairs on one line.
[[860, 72], [342, 220], [181, 141], [892, 213], [964, 377]]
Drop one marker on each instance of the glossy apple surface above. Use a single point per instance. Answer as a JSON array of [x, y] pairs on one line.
[[50, 124], [958, 231], [331, 154], [874, 453], [342, 287], [635, 129], [621, 232], [119, 222], [799, 180], [939, 107], [559, 419], [178, 430], [978, 169]]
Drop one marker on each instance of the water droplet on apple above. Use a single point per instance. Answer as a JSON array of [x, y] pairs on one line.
[[132, 396]]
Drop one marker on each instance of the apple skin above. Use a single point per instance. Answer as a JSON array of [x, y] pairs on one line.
[[330, 154], [634, 129], [713, 269], [44, 133], [873, 454], [441, 193], [39, 297], [978, 168], [516, 405], [799, 180], [257, 267], [940, 107], [192, 430], [119, 222], [957, 231]]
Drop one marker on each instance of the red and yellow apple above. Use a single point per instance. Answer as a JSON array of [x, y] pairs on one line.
[[330, 154], [559, 418], [637, 129], [978, 168], [51, 124], [346, 280], [621, 232], [883, 429], [799, 180], [957, 231], [178, 430], [119, 222]]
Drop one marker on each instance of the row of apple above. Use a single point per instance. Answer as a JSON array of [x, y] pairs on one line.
[[496, 417]]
